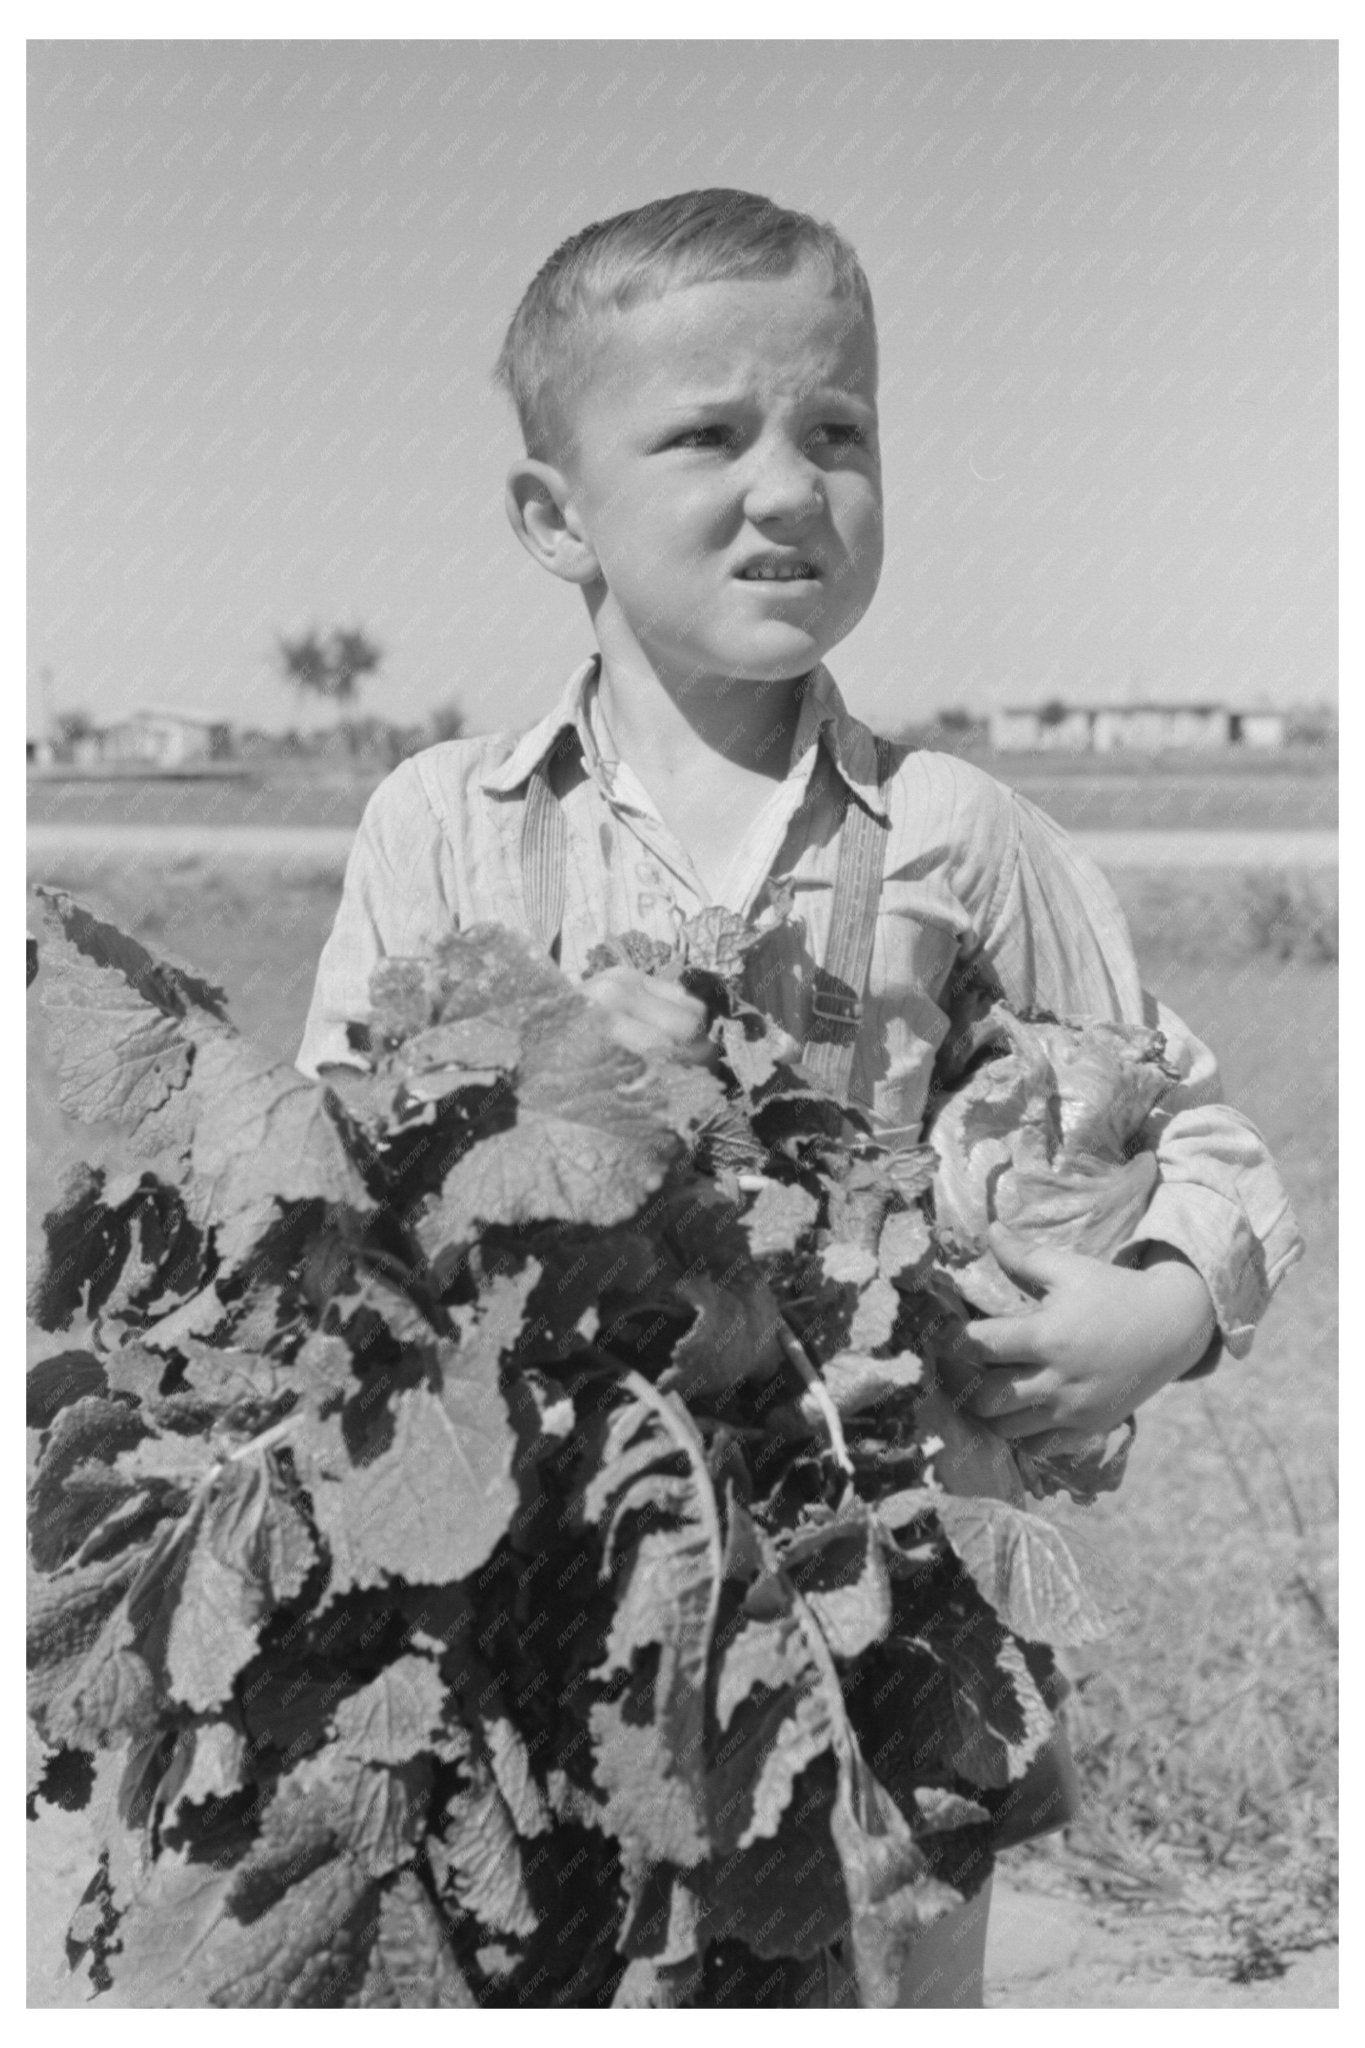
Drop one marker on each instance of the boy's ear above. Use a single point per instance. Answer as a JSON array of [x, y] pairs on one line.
[[540, 511]]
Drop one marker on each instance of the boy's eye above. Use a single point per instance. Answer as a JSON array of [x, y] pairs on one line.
[[842, 433], [713, 436], [829, 433]]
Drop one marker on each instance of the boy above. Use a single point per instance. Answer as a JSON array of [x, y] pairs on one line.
[[696, 383]]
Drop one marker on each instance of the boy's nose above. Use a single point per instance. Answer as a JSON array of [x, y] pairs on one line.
[[785, 485]]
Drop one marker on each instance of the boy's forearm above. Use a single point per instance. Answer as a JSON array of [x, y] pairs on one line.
[[1183, 1307]]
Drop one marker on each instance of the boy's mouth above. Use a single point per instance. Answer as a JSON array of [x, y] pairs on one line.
[[775, 569]]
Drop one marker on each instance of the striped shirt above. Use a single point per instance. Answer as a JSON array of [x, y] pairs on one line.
[[970, 866]]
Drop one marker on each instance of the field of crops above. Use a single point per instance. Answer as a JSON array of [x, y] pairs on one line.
[[1206, 1724]]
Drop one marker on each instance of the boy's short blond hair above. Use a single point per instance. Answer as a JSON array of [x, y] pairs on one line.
[[701, 237]]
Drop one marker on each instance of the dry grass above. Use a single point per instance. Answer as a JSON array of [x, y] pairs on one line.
[[1209, 1726], [1292, 917], [1206, 1732], [1229, 919]]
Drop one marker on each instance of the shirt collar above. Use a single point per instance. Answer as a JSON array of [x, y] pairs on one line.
[[823, 718], [851, 749], [533, 748]]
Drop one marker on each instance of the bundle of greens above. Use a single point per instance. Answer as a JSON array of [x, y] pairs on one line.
[[501, 1511]]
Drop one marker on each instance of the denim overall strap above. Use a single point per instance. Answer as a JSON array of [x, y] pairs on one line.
[[544, 860], [837, 1005]]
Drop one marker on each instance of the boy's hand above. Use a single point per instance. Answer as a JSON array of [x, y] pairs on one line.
[[649, 1015], [1102, 1339]]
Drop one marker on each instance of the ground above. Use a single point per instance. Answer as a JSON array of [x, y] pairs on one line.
[[1206, 1723], [1111, 793], [1049, 1947]]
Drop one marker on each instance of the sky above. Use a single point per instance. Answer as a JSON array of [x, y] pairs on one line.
[[267, 283]]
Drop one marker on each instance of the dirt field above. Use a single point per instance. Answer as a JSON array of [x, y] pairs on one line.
[[1084, 796], [1206, 1724]]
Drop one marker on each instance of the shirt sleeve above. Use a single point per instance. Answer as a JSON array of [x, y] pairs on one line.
[[1057, 939], [396, 899]]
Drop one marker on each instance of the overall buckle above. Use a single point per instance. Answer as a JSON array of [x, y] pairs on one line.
[[834, 1008]]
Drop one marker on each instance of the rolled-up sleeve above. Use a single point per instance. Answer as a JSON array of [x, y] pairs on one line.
[[396, 899], [1057, 938]]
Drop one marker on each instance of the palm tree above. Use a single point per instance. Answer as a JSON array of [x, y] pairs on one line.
[[352, 655], [305, 664], [331, 671]]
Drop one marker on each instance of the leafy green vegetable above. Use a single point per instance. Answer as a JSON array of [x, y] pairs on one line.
[[499, 1518], [1038, 1136]]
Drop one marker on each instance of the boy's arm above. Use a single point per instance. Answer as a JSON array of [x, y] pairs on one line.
[[397, 898], [1057, 938], [1220, 1200]]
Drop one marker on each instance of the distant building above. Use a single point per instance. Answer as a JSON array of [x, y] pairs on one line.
[[1020, 730], [1142, 728], [1262, 728], [158, 736]]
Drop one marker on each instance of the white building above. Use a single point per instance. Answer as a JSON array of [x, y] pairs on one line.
[[163, 736], [1145, 728], [1023, 730], [1263, 728]]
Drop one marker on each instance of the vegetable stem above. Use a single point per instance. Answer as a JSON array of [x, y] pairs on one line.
[[796, 1353]]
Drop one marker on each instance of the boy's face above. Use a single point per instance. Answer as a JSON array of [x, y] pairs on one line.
[[730, 429]]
